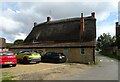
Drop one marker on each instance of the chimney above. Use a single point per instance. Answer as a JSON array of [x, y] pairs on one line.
[[117, 23], [81, 24], [93, 14], [48, 19], [35, 24]]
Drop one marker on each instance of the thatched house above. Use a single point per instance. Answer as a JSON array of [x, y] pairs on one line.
[[75, 37]]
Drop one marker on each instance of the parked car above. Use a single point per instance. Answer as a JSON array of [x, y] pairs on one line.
[[27, 56], [54, 57], [7, 58]]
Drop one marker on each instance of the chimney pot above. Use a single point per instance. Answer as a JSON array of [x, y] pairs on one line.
[[93, 14], [81, 15], [117, 23], [48, 19], [35, 23]]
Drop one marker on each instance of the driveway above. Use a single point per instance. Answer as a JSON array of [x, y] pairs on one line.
[[42, 71], [107, 69], [21, 69]]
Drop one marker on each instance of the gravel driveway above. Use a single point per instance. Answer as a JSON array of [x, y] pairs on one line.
[[44, 71]]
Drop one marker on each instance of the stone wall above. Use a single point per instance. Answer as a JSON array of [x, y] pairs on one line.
[[73, 54], [2, 43]]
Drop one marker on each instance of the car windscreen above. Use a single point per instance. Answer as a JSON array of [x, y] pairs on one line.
[[6, 53], [59, 54], [27, 52]]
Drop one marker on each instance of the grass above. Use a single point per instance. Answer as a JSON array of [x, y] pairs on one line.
[[69, 63], [6, 77], [114, 56], [8, 81]]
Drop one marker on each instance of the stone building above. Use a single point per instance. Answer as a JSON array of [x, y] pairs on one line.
[[75, 37], [118, 37], [2, 43]]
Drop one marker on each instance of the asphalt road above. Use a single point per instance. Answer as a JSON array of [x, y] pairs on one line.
[[107, 69]]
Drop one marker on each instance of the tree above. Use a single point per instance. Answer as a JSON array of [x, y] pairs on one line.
[[18, 42], [104, 41]]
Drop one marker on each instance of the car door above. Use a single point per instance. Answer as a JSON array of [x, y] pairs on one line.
[[49, 57], [54, 57], [45, 57], [20, 54]]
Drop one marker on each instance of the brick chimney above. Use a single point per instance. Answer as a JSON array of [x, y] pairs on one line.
[[48, 19], [117, 24], [93, 14], [81, 24]]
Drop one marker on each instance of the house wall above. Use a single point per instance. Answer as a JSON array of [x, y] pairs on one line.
[[73, 54], [2, 43], [118, 34]]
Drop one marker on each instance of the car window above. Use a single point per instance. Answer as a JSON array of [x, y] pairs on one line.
[[48, 54], [62, 54], [23, 51], [6, 53]]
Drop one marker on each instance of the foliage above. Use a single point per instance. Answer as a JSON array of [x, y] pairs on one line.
[[9, 45], [104, 41], [114, 56], [18, 42]]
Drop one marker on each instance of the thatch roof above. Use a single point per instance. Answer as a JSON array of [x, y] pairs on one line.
[[63, 30]]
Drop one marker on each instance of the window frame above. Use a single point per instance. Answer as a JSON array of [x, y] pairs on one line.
[[82, 51]]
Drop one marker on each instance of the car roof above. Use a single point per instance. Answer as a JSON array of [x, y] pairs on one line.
[[27, 50]]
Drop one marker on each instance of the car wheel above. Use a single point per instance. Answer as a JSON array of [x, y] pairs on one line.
[[14, 65], [25, 60]]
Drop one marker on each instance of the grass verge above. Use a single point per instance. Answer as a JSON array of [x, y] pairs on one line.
[[114, 56], [6, 77]]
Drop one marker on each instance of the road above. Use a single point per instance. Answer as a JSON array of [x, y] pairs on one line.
[[107, 69]]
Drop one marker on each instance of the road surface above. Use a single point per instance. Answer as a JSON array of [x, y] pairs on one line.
[[107, 69]]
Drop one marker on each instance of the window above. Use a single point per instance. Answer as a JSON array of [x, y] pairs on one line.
[[82, 51], [48, 54], [65, 51]]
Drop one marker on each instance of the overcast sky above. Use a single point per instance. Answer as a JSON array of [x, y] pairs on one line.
[[17, 18]]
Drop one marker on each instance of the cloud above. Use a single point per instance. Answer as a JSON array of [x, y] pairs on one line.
[[20, 36], [17, 19], [106, 29], [119, 11], [9, 26]]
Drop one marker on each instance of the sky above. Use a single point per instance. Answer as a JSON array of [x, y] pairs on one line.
[[17, 18]]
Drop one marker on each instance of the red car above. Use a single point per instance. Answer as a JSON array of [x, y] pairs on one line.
[[7, 58]]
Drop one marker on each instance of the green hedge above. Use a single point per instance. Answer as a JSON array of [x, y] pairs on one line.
[[111, 55]]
